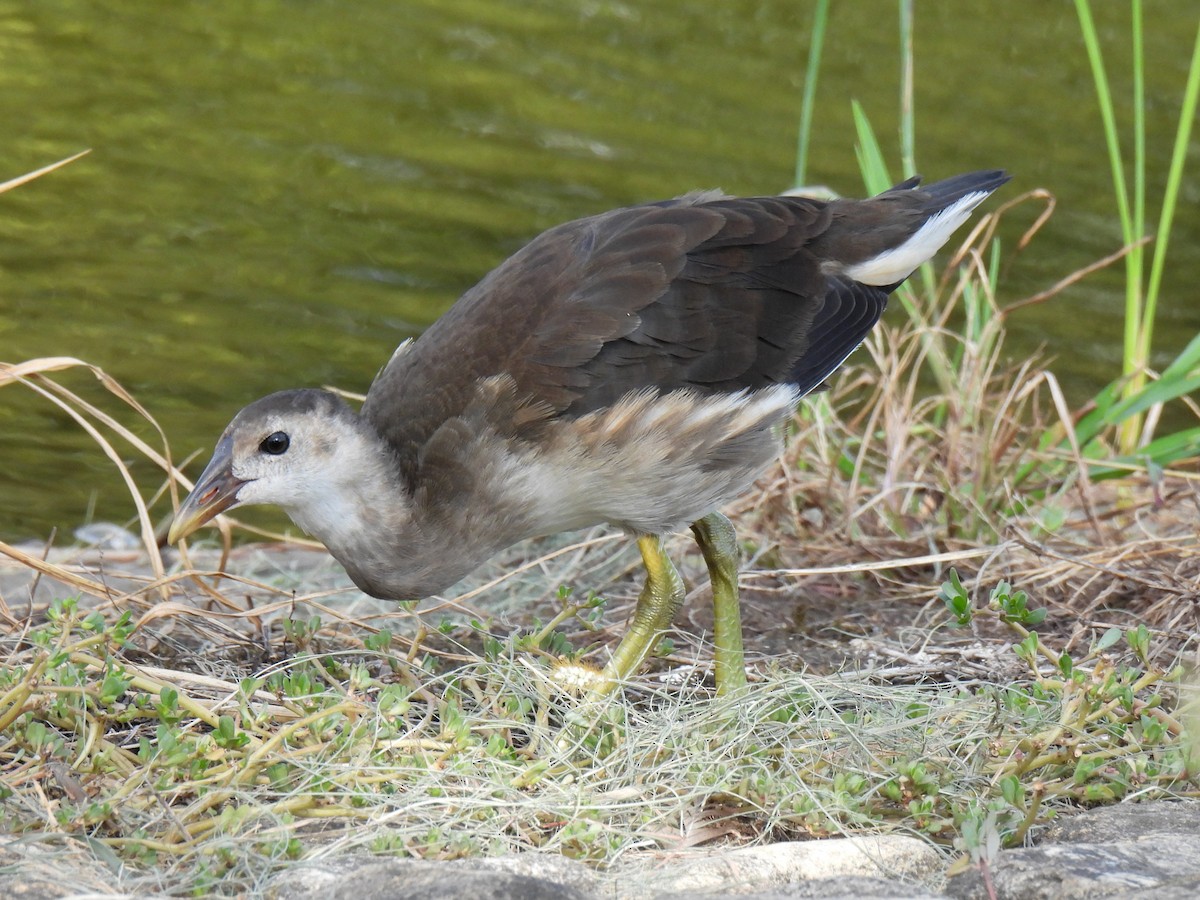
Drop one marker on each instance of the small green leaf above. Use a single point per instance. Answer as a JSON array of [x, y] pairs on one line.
[[227, 734], [1027, 648], [1153, 731], [1139, 641], [1109, 638], [1084, 769], [492, 648], [1011, 790], [36, 733], [113, 688], [956, 598], [1052, 518]]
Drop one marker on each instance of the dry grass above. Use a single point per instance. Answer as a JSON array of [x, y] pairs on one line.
[[205, 729], [889, 480]]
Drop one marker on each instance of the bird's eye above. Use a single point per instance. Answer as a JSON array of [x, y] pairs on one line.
[[276, 444]]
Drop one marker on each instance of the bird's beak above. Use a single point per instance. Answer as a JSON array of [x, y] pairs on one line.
[[214, 493]]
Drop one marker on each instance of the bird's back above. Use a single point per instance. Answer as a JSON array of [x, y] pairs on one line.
[[711, 294]]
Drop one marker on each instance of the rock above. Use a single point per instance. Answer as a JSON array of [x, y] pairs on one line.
[[827, 869], [549, 867], [1126, 820], [529, 876], [1150, 851], [107, 536], [841, 888], [47, 869], [772, 867]]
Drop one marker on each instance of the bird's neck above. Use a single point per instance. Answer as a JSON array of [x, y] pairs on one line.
[[391, 544]]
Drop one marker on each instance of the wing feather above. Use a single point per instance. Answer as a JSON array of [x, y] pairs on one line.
[[714, 295]]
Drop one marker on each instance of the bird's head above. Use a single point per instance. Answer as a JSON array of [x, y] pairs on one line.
[[302, 450]]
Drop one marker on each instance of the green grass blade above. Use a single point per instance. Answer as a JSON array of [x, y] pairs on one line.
[[1162, 451], [1111, 414], [1116, 404], [870, 156], [1187, 361], [1154, 393], [1133, 312], [1110, 408], [1139, 127], [1088, 427], [1187, 116], [908, 142], [811, 71], [1091, 42]]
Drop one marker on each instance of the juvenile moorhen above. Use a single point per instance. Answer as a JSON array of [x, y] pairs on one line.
[[629, 368]]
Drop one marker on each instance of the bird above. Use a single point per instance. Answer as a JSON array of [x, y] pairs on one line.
[[632, 368]]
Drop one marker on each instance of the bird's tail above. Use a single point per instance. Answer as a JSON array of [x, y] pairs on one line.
[[940, 209]]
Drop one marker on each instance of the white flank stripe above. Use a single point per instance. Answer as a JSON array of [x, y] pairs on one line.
[[899, 262]]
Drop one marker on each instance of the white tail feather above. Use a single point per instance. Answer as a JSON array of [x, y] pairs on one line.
[[899, 262]]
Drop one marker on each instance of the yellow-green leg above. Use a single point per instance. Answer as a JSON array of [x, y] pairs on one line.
[[718, 542], [656, 607]]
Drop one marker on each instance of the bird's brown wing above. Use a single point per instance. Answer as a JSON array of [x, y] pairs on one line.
[[716, 295]]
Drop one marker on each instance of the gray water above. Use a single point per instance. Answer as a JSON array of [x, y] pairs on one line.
[[280, 191]]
